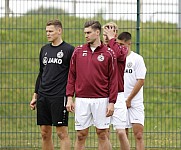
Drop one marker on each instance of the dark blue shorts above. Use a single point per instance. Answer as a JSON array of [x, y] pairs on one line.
[[52, 111]]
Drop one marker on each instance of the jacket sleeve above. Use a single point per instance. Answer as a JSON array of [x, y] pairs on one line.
[[70, 88], [121, 51], [113, 83]]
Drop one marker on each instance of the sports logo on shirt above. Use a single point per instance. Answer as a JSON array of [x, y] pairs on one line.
[[129, 65], [60, 54], [52, 60], [129, 68], [100, 58], [84, 53]]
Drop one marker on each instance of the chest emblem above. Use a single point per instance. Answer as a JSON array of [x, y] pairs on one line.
[[129, 65], [60, 54], [100, 57]]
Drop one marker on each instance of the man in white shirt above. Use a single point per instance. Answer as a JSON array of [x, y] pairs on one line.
[[134, 76]]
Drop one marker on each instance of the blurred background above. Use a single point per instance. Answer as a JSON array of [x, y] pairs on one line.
[[156, 34]]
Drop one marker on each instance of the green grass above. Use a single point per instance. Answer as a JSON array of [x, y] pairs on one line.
[[20, 41]]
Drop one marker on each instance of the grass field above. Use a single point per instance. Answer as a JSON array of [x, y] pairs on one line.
[[21, 39]]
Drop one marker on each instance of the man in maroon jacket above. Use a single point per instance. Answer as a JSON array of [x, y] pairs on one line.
[[93, 80], [118, 119]]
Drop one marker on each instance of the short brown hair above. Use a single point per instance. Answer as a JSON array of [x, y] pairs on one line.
[[93, 24], [55, 22]]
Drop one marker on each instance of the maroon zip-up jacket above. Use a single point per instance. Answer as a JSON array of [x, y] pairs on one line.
[[121, 53], [93, 74]]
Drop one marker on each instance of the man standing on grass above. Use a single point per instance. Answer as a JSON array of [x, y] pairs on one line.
[[50, 90], [118, 119], [93, 80], [134, 77]]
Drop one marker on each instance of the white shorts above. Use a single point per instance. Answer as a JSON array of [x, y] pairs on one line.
[[118, 120], [91, 111], [135, 115]]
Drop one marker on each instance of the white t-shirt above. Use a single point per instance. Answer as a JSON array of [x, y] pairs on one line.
[[134, 69]]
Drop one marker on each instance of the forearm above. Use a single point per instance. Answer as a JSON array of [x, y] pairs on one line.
[[121, 51], [136, 89], [113, 84], [34, 96]]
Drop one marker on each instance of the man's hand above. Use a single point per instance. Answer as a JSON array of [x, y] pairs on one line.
[[70, 104], [110, 32], [33, 103], [128, 103], [110, 110]]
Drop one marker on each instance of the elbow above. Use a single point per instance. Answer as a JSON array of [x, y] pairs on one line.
[[142, 82]]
